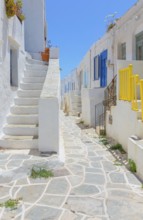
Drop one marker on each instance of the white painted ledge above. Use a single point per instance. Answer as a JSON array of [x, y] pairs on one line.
[[49, 110], [54, 53]]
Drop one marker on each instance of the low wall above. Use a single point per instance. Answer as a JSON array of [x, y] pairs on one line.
[[125, 121], [11, 37], [49, 110], [90, 97], [54, 53]]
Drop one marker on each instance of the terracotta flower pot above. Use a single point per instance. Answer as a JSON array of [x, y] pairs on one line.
[[47, 50], [45, 56]]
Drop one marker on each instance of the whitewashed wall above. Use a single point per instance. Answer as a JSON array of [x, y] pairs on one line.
[[35, 27], [124, 121], [124, 31], [11, 36], [49, 110], [90, 97]]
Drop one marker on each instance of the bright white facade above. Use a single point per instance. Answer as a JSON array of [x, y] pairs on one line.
[[120, 46], [12, 57], [98, 67], [35, 27], [49, 110], [24, 81]]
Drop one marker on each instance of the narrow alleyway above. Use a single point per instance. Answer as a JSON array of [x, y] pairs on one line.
[[90, 186]]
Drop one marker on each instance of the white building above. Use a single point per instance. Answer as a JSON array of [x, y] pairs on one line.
[[12, 59], [121, 46], [29, 89], [98, 68]]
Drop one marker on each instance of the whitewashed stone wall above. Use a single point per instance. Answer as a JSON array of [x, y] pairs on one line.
[[35, 27], [125, 121], [90, 98], [11, 36], [49, 110]]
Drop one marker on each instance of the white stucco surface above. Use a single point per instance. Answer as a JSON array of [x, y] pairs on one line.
[[11, 37], [125, 123], [125, 31], [90, 97], [125, 120], [49, 107], [135, 152], [35, 27], [54, 53]]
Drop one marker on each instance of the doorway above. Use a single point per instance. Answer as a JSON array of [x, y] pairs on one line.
[[103, 69], [139, 46], [13, 67]]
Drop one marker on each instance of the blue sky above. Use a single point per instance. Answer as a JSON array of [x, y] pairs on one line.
[[75, 25]]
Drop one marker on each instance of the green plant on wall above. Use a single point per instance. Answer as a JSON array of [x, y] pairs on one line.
[[10, 8], [14, 8], [132, 166], [110, 26], [19, 13]]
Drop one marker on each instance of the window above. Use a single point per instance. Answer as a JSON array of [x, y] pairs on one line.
[[96, 68], [123, 51], [139, 46]]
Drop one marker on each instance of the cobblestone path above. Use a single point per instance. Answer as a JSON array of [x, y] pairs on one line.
[[89, 186]]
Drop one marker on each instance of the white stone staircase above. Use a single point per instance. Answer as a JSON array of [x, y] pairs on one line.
[[75, 103], [21, 130]]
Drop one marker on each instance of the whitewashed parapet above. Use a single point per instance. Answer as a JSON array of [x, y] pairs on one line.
[[54, 53], [49, 107], [16, 31]]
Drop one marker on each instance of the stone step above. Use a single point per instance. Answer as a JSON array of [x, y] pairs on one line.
[[20, 130], [76, 104], [29, 93], [26, 101], [76, 98], [33, 79], [139, 114], [35, 73], [36, 66], [22, 119], [22, 110], [33, 62], [19, 142], [31, 86], [76, 109]]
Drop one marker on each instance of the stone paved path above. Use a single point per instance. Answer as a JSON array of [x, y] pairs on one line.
[[88, 187]]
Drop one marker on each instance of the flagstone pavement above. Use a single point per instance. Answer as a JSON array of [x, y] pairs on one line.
[[89, 186]]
